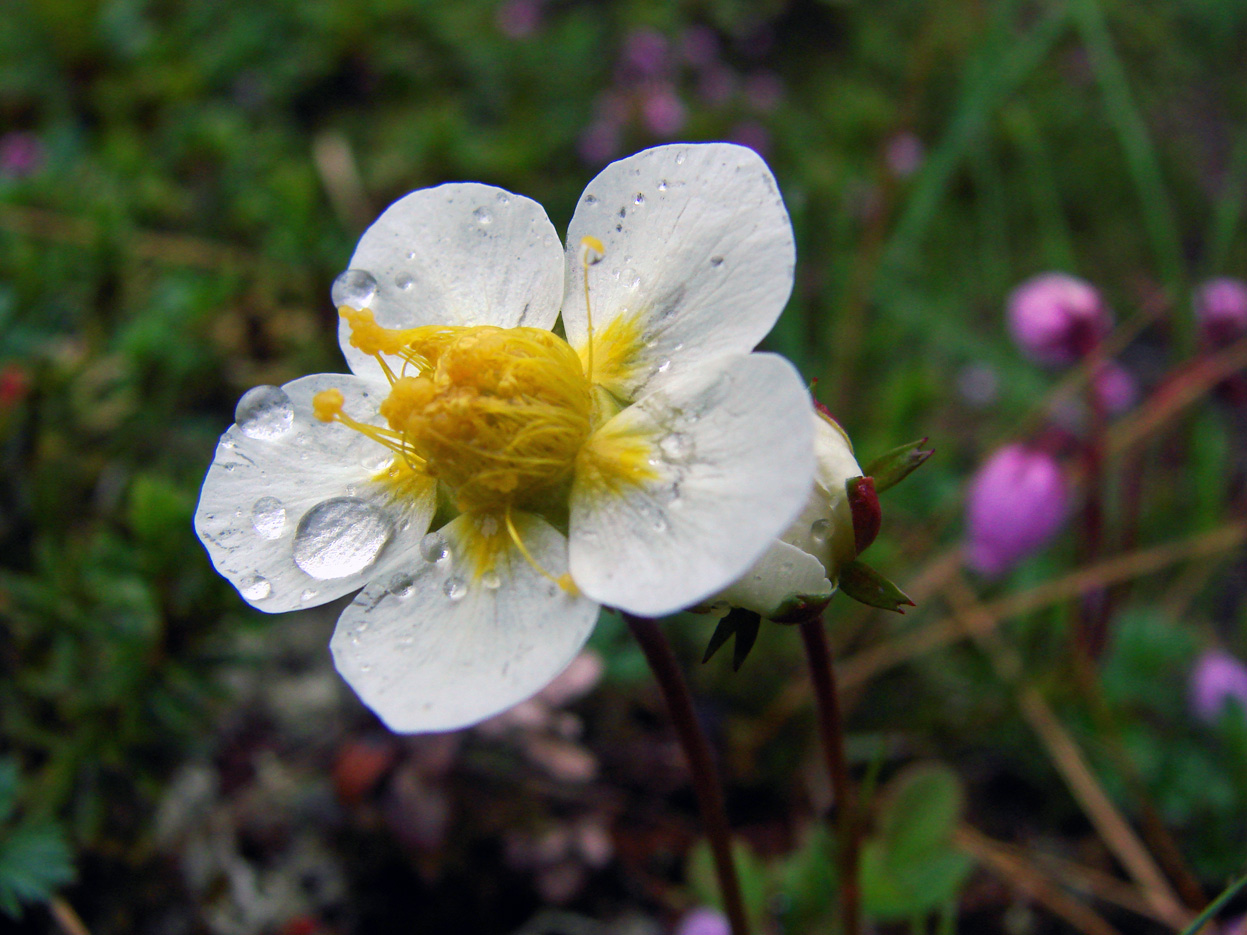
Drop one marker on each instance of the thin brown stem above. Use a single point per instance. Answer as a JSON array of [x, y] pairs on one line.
[[831, 732], [670, 678]]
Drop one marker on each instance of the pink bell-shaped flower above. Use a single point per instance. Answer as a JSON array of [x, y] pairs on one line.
[[1016, 502]]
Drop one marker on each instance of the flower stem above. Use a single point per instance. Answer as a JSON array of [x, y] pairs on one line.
[[706, 785], [831, 732]]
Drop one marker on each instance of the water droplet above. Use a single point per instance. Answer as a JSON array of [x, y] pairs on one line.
[[662, 186], [230, 467], [820, 528], [411, 254], [504, 198], [254, 587], [716, 261], [679, 158], [488, 525], [591, 199], [618, 228], [663, 366], [264, 412], [455, 588], [402, 585], [676, 446], [491, 580], [269, 518], [434, 548], [785, 568], [340, 537], [365, 667], [229, 443], [356, 288], [482, 216], [623, 212], [639, 199], [630, 278], [404, 281], [307, 594]]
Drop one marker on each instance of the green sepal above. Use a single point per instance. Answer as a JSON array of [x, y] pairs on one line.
[[865, 585], [744, 625], [890, 469]]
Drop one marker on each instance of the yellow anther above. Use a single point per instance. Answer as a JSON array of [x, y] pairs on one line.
[[370, 337], [327, 404], [591, 250]]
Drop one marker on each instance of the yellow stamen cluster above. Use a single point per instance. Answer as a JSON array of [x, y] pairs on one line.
[[497, 414]]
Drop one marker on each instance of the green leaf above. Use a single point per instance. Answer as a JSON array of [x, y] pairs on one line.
[[862, 583], [34, 862], [895, 892], [808, 879], [8, 788], [755, 885], [923, 805], [891, 468]]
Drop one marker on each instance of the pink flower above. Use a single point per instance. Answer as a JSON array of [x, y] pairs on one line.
[[1221, 310], [703, 921], [1016, 502], [752, 134], [21, 154], [519, 19], [904, 154], [1115, 388], [645, 53], [600, 141], [700, 45], [1216, 679], [764, 90], [1057, 319], [662, 110]]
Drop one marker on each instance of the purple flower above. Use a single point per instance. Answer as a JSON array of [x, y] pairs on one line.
[[1221, 310], [764, 90], [21, 154], [599, 143], [904, 154], [752, 134], [662, 110], [1057, 319], [703, 921], [519, 19], [1217, 678], [1115, 388], [700, 45], [1015, 503], [645, 53]]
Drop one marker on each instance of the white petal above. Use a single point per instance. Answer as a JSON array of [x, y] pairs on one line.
[[459, 254], [290, 512], [436, 648], [824, 527], [728, 462], [780, 579], [699, 259]]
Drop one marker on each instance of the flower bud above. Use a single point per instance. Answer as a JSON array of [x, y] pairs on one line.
[[1221, 310], [1216, 679], [1015, 503], [1057, 319], [1115, 388]]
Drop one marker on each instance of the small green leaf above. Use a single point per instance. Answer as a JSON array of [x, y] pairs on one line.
[[890, 469], [862, 583], [808, 881], [34, 862], [923, 805]]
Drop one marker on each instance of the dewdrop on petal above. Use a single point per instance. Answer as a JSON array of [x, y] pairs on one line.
[[1015, 503], [1057, 319]]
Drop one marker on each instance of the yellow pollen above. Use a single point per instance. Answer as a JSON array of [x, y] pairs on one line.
[[496, 414], [326, 404]]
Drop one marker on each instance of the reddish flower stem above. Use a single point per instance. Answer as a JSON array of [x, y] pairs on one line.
[[831, 732], [696, 747]]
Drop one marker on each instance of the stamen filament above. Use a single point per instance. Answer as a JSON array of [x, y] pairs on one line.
[[591, 253], [565, 582]]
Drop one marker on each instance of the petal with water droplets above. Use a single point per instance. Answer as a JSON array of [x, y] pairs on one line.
[[296, 517], [465, 631]]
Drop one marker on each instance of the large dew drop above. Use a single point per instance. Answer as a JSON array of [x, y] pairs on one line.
[[268, 517], [264, 412], [356, 288], [340, 537], [254, 587]]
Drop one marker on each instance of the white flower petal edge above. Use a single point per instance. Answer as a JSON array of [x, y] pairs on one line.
[[458, 254], [699, 250], [729, 451], [287, 495], [783, 576], [435, 648]]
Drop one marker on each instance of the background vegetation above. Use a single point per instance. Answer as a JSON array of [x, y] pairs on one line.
[[179, 184]]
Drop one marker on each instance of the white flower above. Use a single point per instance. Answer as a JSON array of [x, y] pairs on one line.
[[644, 465], [801, 569]]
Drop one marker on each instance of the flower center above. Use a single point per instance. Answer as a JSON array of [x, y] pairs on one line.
[[496, 414]]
